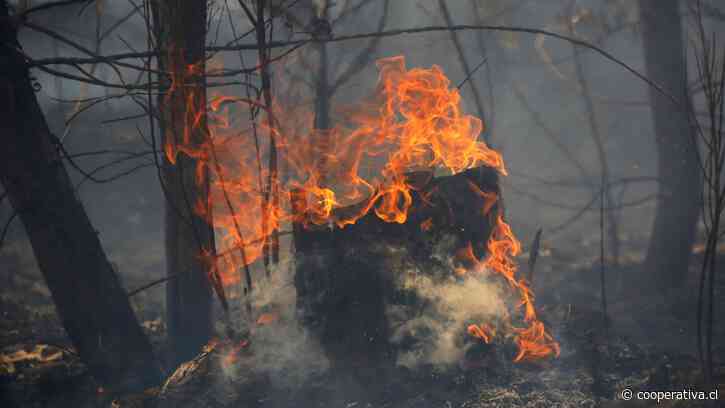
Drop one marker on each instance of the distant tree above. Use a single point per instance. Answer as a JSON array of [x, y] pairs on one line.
[[328, 74], [678, 205]]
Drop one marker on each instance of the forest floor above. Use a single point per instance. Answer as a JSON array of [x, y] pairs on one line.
[[649, 345]]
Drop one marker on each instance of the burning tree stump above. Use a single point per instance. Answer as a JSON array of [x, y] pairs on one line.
[[346, 277]]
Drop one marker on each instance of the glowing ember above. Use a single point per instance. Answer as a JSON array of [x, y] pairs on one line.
[[482, 331], [427, 224], [413, 123], [267, 318], [232, 355], [40, 353]]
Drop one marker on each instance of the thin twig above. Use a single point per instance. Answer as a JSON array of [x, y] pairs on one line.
[[710, 64], [534, 255], [151, 285], [594, 130], [51, 5], [6, 228], [271, 198], [473, 71]]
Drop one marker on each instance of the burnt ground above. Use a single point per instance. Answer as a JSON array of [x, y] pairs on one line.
[[649, 345]]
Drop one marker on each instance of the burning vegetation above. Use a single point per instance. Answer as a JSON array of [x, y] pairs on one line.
[[412, 125]]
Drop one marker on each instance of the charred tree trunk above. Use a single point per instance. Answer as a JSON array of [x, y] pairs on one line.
[[180, 29], [88, 296], [348, 279], [680, 186]]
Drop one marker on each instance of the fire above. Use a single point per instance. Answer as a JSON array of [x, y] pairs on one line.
[[267, 318], [482, 331], [232, 355], [414, 122], [427, 224], [489, 198], [533, 341]]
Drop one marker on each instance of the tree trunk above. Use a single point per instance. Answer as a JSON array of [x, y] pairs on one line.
[[180, 29], [90, 300], [323, 94], [322, 90], [680, 186]]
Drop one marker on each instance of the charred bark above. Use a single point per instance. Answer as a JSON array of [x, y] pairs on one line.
[[180, 26], [347, 279], [680, 186], [89, 298]]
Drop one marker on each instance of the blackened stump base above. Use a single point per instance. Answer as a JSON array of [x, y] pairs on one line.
[[346, 279]]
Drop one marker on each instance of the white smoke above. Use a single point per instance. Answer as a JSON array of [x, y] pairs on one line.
[[449, 307], [281, 350]]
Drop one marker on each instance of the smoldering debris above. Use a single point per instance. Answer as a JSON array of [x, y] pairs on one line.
[[437, 330]]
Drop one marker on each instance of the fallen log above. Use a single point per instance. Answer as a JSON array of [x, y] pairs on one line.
[[348, 279]]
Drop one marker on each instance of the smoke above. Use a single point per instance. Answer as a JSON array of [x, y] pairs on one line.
[[437, 334], [281, 349], [285, 353]]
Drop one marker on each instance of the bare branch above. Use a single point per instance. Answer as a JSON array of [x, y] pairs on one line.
[[361, 58], [51, 5], [389, 33], [6, 228]]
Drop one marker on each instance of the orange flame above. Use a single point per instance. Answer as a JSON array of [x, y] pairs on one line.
[[533, 341], [232, 355], [427, 224], [482, 331], [267, 318], [414, 122]]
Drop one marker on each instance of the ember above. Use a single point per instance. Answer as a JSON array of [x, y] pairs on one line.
[[482, 331], [267, 318], [232, 354], [414, 122]]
